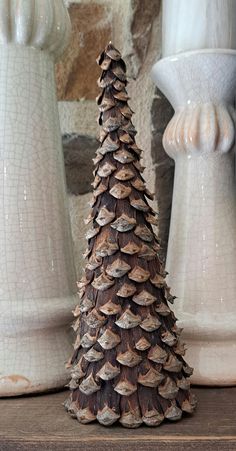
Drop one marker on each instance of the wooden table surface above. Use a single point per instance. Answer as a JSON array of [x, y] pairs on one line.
[[40, 423]]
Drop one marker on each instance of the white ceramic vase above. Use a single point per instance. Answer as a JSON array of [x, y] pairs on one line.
[[198, 24], [201, 259], [37, 279], [198, 76]]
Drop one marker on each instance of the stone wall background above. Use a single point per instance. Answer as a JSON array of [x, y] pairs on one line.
[[134, 27]]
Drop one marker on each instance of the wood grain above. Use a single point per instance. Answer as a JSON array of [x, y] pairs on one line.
[[40, 423]]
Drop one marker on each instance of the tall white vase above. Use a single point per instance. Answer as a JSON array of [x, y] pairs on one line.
[[37, 279], [201, 259], [198, 24]]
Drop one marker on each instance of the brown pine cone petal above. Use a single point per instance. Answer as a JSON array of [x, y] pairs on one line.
[[108, 371], [120, 191], [108, 145], [128, 320], [105, 216], [97, 179], [158, 281], [129, 358], [151, 379], [142, 344], [89, 386], [106, 169], [169, 338], [126, 111], [109, 308], [125, 388], [144, 298], [106, 248], [108, 339], [168, 389], [173, 364], [183, 383], [107, 416], [162, 309], [124, 223], [188, 370], [118, 268], [173, 412], [94, 319], [119, 85], [179, 349], [106, 79], [103, 282], [135, 148], [139, 204], [150, 323], [139, 274], [96, 160], [88, 340], [119, 72], [124, 174], [121, 95], [126, 290], [106, 63], [93, 356], [85, 416], [102, 188], [147, 253], [144, 233], [123, 156], [107, 102], [112, 120], [130, 248], [151, 219], [125, 138], [112, 52], [157, 354], [86, 304], [138, 184], [92, 232], [94, 263]]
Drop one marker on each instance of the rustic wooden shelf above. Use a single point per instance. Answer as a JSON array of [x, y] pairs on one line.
[[40, 423]]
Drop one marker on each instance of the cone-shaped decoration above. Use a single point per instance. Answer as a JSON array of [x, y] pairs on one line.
[[128, 362]]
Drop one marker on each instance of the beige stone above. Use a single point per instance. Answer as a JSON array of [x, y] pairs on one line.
[[128, 23], [78, 117], [77, 72]]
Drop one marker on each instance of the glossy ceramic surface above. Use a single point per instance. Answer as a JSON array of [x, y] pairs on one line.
[[198, 24], [41, 24], [37, 278], [202, 246]]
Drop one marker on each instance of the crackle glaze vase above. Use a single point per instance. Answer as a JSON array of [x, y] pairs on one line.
[[37, 279], [198, 76]]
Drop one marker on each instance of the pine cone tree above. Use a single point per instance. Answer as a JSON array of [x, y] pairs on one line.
[[128, 361]]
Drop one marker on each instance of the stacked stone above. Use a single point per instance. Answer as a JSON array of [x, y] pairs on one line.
[[128, 361]]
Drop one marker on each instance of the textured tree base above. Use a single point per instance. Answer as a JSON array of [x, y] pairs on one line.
[[130, 418]]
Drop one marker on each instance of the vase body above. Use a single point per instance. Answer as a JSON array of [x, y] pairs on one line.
[[37, 278], [215, 26], [201, 258]]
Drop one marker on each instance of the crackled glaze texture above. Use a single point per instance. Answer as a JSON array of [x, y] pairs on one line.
[[37, 279], [41, 24], [198, 24], [201, 258]]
